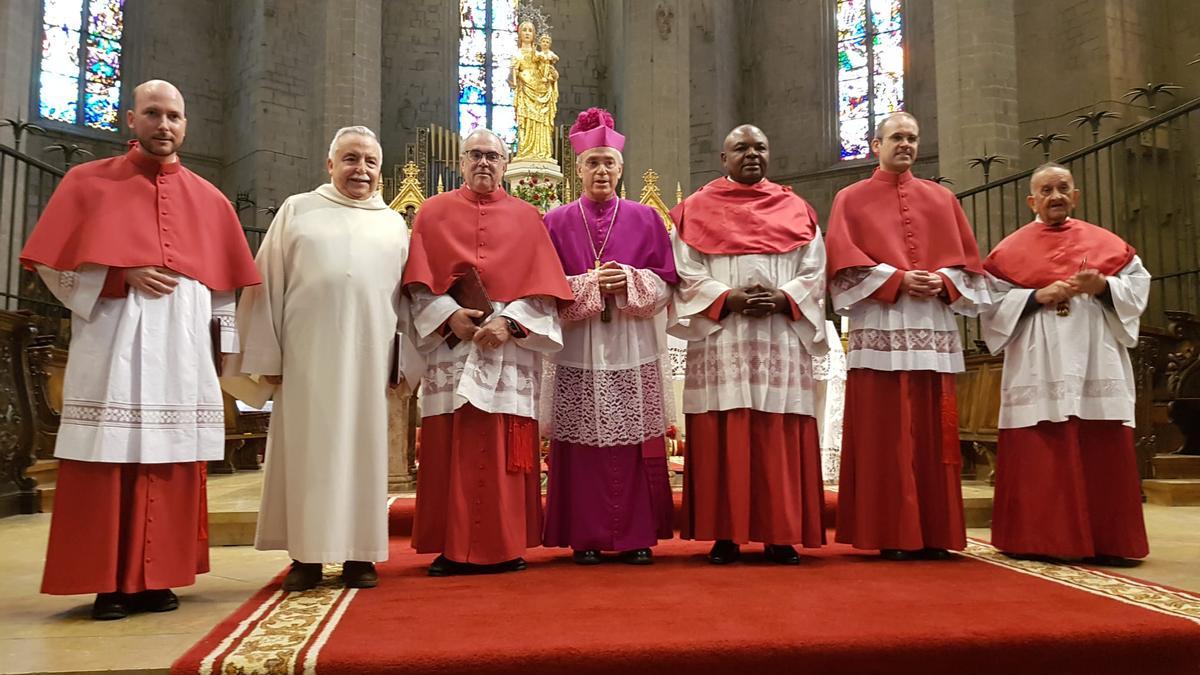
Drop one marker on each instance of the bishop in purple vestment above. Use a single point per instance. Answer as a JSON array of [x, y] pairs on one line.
[[609, 489]]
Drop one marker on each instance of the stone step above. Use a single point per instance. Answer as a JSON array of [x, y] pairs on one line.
[[1172, 491], [1176, 466], [46, 499], [44, 471]]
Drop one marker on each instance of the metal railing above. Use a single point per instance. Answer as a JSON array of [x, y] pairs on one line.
[[1141, 183], [26, 184]]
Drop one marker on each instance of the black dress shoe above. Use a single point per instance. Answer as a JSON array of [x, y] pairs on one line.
[[589, 557], [302, 577], [359, 574], [724, 552], [110, 606], [1033, 557], [163, 600], [935, 554], [641, 556], [782, 554], [514, 565], [1111, 561], [443, 567], [896, 554]]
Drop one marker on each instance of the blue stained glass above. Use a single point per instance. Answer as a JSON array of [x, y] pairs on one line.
[[504, 123], [63, 78], [852, 54], [483, 89], [473, 13], [472, 48], [502, 93], [854, 134], [851, 19], [101, 106], [504, 15], [870, 69], [105, 18], [886, 15], [58, 97], [60, 51], [103, 60], [68, 13], [471, 117]]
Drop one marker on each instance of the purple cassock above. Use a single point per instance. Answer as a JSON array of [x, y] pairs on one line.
[[609, 488]]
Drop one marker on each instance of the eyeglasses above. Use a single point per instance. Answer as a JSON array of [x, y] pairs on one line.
[[477, 156]]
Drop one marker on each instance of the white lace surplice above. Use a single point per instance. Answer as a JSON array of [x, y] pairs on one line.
[[505, 380], [764, 364], [910, 334], [140, 385], [606, 387], [829, 390], [1078, 365]]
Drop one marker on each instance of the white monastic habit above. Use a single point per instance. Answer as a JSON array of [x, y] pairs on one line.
[[326, 318]]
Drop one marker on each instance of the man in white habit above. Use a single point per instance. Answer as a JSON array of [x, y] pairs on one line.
[[321, 328]]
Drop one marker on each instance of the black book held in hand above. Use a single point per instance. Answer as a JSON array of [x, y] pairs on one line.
[[469, 293]]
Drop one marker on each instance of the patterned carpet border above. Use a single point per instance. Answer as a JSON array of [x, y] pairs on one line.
[[1124, 589]]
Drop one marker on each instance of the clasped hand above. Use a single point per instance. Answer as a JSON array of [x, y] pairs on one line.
[[1091, 282], [153, 281], [756, 301], [611, 278], [489, 336], [922, 284]]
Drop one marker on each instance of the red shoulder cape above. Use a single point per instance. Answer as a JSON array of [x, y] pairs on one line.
[[500, 235], [905, 222], [132, 211], [1039, 254], [729, 218]]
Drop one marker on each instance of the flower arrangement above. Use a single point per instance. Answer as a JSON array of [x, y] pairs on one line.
[[541, 192]]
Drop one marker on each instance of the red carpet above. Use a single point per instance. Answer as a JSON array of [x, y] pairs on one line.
[[838, 612]]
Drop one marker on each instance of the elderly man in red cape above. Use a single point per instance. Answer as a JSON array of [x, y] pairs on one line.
[[902, 263], [751, 303], [146, 255], [478, 493], [1069, 298]]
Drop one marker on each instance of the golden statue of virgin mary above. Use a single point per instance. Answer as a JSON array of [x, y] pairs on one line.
[[534, 80]]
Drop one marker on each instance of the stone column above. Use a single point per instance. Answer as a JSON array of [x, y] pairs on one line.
[[299, 71], [350, 77], [648, 44], [715, 87], [975, 43]]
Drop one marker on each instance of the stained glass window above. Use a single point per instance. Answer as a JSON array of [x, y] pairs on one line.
[[870, 70], [486, 47], [79, 79]]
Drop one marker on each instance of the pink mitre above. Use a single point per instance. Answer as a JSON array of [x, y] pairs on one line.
[[594, 129]]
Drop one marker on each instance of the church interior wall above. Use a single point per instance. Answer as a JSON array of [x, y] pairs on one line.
[[789, 53]]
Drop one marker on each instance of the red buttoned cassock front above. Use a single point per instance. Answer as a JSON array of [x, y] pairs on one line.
[[900, 486], [131, 527], [479, 492]]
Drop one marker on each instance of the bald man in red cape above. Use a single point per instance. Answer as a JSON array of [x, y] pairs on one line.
[[479, 499], [902, 263], [751, 304], [146, 255], [1069, 298]]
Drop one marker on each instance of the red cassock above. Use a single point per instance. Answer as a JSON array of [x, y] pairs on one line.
[[751, 475], [479, 492], [1065, 489], [133, 527], [900, 486]]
